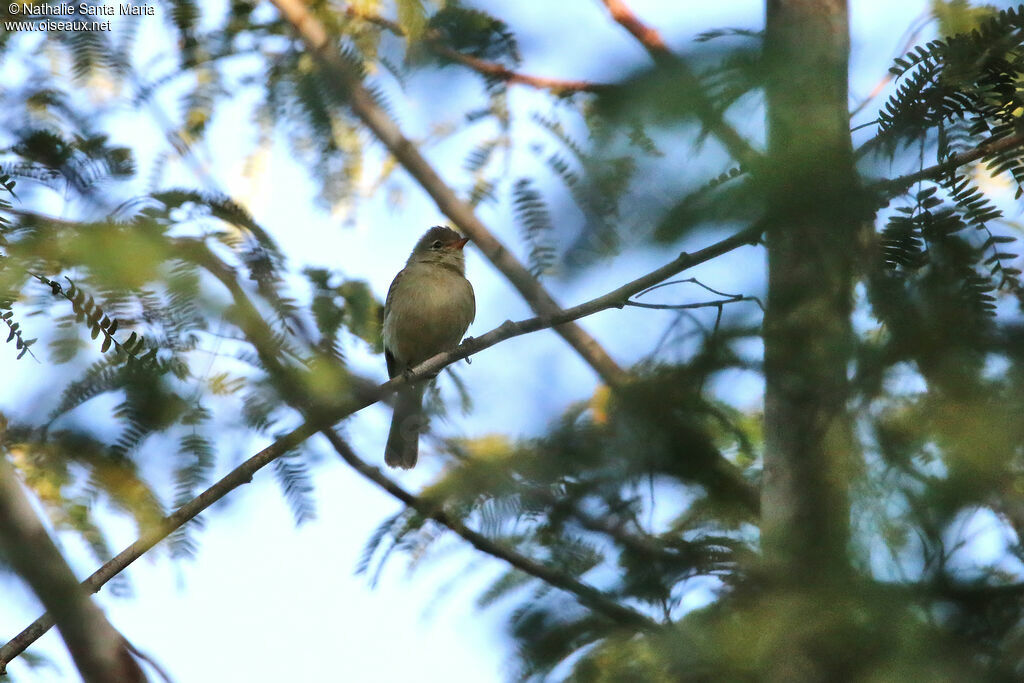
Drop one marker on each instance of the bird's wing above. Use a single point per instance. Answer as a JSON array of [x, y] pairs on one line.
[[389, 356], [391, 291]]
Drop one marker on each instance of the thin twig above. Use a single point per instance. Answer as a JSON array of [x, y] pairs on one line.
[[587, 594], [687, 281], [700, 304], [730, 298]]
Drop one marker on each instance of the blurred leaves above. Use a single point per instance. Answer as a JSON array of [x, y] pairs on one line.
[[475, 32], [130, 304], [349, 305]]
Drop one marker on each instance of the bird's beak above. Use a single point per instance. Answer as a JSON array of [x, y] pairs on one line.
[[459, 244]]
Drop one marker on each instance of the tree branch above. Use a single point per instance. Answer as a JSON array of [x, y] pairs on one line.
[[361, 399], [587, 594], [706, 111], [556, 86], [238, 476], [99, 651], [434, 40], [897, 186], [645, 35]]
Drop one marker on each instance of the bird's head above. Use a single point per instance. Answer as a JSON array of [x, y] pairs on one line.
[[442, 246]]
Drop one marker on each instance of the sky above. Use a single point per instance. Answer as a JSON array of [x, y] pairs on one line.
[[264, 600]]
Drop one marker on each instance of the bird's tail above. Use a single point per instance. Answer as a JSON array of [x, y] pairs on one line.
[[407, 422]]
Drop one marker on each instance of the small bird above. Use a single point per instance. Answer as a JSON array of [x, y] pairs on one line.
[[429, 306]]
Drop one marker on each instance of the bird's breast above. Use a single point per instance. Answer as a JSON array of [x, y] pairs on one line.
[[430, 308]]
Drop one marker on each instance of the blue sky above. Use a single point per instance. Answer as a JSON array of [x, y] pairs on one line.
[[267, 601]]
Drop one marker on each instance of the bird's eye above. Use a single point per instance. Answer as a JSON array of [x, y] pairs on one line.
[[436, 244]]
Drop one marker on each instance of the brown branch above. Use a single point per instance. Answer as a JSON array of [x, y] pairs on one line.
[[647, 36], [588, 595], [896, 186], [238, 476], [99, 651], [435, 41], [495, 70], [243, 473], [705, 109], [362, 103]]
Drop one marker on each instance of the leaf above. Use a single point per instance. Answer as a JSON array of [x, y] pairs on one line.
[[412, 17]]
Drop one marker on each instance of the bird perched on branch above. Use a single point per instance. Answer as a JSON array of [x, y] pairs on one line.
[[428, 308]]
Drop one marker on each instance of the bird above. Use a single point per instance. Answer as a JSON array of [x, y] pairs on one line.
[[428, 309]]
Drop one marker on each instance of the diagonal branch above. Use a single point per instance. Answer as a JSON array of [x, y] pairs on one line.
[[99, 651], [363, 104], [706, 111], [362, 398], [238, 476], [645, 35], [897, 186], [588, 595]]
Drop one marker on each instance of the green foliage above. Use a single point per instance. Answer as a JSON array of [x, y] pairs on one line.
[[86, 311], [22, 345], [126, 303], [969, 78], [294, 479], [476, 33], [349, 305], [959, 16], [536, 225]]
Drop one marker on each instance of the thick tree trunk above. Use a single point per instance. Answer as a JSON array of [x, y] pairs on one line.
[[809, 439]]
